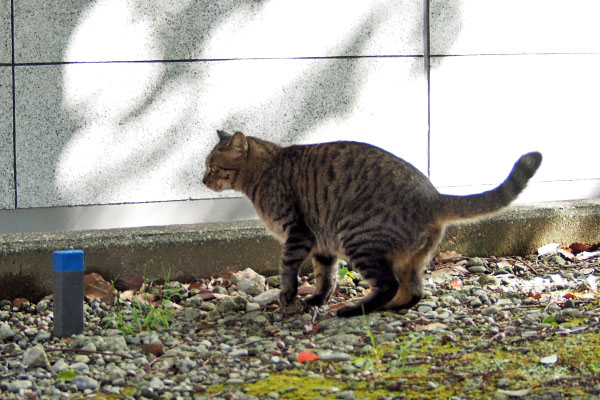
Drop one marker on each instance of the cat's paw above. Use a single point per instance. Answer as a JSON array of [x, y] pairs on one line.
[[287, 296], [351, 310], [316, 299]]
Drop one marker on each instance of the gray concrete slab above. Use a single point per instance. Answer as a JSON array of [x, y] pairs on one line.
[[139, 132], [5, 32], [205, 250], [7, 186], [82, 30], [514, 26], [499, 107]]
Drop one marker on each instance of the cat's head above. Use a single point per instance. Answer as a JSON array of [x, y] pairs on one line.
[[225, 160]]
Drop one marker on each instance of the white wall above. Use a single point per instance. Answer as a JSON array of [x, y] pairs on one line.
[[117, 102]]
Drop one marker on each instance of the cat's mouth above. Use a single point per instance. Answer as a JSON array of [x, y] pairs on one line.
[[218, 186]]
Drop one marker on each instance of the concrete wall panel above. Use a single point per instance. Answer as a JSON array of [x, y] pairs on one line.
[[138, 132], [5, 32], [7, 187], [115, 30], [488, 110], [514, 26]]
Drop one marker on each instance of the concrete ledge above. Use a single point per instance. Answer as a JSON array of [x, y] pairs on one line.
[[186, 252]]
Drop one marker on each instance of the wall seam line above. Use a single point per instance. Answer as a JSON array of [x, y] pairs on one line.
[[427, 68], [14, 101]]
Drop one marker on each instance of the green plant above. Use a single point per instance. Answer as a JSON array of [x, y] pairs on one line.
[[403, 356], [372, 361], [344, 271], [144, 315]]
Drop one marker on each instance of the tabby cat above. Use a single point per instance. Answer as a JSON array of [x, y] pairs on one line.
[[354, 201]]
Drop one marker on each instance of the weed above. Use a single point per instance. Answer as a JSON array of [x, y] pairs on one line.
[[344, 271], [138, 316]]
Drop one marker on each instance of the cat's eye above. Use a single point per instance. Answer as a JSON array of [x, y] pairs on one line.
[[213, 168]]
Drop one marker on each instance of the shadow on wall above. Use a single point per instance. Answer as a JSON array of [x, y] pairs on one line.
[[134, 129]]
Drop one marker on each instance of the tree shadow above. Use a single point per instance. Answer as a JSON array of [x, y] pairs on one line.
[[325, 89]]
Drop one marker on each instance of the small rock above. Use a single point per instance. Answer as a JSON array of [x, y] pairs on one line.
[[346, 395], [35, 357], [549, 360], [60, 365], [113, 344], [475, 303], [191, 314], [6, 332], [424, 309], [83, 383], [80, 367], [569, 303], [238, 353], [232, 304], [17, 386], [551, 308], [432, 385], [268, 297], [156, 384], [491, 310], [249, 281], [477, 269], [488, 280], [475, 261], [334, 356], [185, 365], [252, 306]]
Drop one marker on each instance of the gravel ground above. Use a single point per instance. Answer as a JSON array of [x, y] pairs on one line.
[[487, 328]]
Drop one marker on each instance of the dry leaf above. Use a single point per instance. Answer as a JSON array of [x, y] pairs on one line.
[[197, 285], [206, 295], [447, 255], [127, 295], [451, 269], [586, 255], [129, 282], [456, 284], [549, 248], [156, 349], [18, 301], [307, 356], [96, 288], [503, 264], [335, 307], [580, 247], [307, 289], [566, 253]]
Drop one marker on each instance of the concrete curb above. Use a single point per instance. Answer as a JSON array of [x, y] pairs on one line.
[[185, 252]]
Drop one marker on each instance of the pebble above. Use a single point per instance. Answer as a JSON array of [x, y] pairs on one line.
[[35, 357], [84, 383], [477, 269], [6, 332]]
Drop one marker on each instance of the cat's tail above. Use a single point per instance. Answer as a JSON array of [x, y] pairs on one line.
[[475, 205]]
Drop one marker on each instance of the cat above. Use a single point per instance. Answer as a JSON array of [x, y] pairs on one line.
[[354, 201]]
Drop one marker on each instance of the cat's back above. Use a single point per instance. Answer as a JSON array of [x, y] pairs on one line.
[[347, 167]]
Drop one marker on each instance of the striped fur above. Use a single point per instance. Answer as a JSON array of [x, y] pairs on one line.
[[353, 201]]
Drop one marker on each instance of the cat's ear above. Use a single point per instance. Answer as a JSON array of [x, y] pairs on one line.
[[237, 146], [223, 136]]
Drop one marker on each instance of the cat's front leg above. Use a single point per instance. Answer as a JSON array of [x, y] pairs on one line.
[[298, 245]]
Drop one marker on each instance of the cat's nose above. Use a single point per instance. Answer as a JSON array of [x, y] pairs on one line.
[[204, 181]]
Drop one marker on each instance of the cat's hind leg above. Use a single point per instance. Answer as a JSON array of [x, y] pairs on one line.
[[325, 268], [378, 271], [408, 269], [408, 272]]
